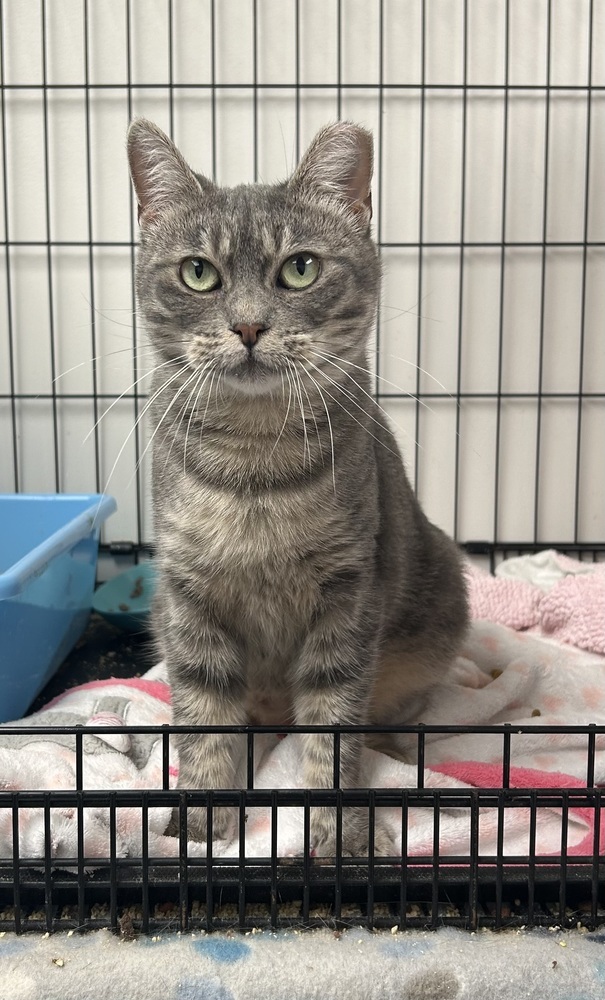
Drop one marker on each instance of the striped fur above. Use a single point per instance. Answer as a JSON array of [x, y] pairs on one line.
[[298, 576]]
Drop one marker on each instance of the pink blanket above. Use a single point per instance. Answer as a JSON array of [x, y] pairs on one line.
[[502, 676], [547, 593]]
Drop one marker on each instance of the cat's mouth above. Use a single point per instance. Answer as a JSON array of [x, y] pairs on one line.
[[252, 371], [250, 365]]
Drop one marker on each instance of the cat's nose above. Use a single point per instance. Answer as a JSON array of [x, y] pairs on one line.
[[249, 332]]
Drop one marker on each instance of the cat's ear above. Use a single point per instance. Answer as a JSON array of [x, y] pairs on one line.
[[339, 162], [160, 175]]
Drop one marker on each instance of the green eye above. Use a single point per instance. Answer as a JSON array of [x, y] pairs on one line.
[[300, 271], [200, 274]]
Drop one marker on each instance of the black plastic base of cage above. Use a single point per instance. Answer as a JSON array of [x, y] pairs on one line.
[[294, 895]]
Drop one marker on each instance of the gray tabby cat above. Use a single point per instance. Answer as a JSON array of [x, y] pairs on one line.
[[299, 580]]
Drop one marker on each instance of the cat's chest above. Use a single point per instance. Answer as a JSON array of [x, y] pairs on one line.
[[259, 560], [277, 543], [250, 528]]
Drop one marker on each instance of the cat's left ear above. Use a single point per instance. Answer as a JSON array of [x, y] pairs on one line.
[[160, 174], [339, 162]]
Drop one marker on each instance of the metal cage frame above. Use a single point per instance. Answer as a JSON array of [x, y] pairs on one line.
[[148, 894]]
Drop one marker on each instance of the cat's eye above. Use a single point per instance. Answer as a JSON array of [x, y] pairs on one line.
[[299, 271], [200, 274]]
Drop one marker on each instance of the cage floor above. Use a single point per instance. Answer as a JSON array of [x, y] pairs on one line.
[[373, 898]]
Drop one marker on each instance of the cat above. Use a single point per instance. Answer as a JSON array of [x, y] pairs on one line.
[[297, 572]]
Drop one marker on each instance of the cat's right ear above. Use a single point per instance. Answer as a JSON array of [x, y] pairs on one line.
[[160, 175]]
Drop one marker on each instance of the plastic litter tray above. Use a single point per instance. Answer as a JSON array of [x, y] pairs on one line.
[[48, 561]]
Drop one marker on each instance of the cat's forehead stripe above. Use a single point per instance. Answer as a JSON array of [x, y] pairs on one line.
[[262, 228]]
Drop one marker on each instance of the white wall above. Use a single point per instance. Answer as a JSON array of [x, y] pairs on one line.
[[525, 320]]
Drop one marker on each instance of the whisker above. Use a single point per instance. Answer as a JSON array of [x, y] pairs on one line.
[[182, 388], [306, 449], [208, 397], [132, 431], [410, 311], [140, 349], [283, 426], [327, 356], [423, 371], [348, 395], [103, 315], [109, 354], [116, 322], [304, 388], [325, 405], [360, 387], [178, 420], [206, 375], [354, 401], [219, 388], [122, 394]]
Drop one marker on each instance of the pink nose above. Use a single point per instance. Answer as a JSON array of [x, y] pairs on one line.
[[249, 332]]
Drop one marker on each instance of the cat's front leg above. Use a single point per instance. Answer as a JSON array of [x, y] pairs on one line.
[[332, 683], [207, 690]]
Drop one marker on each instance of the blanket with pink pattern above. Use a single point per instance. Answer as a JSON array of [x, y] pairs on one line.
[[547, 593], [502, 676]]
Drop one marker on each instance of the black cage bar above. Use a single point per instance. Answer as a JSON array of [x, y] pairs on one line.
[[150, 893], [488, 124], [488, 118]]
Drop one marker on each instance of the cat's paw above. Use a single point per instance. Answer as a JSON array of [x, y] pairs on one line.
[[384, 845], [224, 821], [355, 836], [400, 746]]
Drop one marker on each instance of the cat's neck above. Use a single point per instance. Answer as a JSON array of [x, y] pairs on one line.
[[265, 439]]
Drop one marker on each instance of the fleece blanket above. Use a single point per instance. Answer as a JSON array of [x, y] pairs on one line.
[[503, 676], [318, 965], [548, 594]]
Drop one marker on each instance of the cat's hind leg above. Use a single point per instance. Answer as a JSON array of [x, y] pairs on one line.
[[405, 681]]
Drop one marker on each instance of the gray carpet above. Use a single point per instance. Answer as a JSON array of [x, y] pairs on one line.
[[299, 965]]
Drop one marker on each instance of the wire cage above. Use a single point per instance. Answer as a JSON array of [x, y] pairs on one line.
[[488, 118], [212, 892]]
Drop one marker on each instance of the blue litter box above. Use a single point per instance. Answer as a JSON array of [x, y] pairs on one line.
[[48, 562]]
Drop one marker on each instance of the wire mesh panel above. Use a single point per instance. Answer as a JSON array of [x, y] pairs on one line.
[[489, 212], [482, 878], [488, 120]]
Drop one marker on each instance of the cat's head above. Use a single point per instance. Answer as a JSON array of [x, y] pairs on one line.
[[255, 279]]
